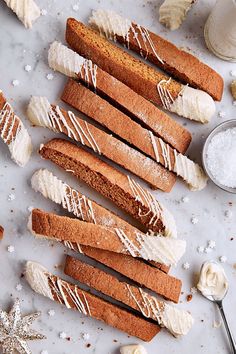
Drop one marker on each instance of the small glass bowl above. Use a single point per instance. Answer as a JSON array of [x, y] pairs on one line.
[[221, 127]]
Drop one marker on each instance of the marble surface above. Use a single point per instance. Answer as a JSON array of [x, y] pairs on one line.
[[19, 47]]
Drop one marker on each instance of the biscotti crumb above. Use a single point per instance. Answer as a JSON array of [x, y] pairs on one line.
[[189, 297], [1, 232], [233, 88]]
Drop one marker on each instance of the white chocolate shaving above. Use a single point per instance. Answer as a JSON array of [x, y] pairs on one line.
[[18, 142], [172, 13], [26, 10]]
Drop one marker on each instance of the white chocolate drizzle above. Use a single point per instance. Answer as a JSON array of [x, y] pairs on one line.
[[153, 248], [112, 25], [26, 10], [18, 140], [164, 94], [155, 210], [178, 322], [41, 113], [44, 283], [191, 172], [68, 62]]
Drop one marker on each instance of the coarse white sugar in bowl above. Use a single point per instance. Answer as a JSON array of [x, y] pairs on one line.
[[219, 156]]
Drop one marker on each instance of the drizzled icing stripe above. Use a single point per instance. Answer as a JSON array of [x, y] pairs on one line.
[[112, 25], [149, 306], [146, 199], [68, 62], [165, 95], [62, 291], [43, 114], [191, 172], [14, 134]]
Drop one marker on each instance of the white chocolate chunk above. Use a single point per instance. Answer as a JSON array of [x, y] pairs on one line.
[[26, 10], [172, 13], [133, 349]]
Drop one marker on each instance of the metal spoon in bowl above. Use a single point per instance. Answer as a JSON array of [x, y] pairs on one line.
[[213, 285]]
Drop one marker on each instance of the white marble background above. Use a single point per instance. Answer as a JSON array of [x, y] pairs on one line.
[[19, 47]]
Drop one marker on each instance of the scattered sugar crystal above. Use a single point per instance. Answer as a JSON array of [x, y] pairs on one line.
[[185, 199], [15, 82], [75, 7], [11, 197], [62, 335], [85, 336], [49, 76], [223, 259], [200, 249], [221, 114], [211, 244], [44, 12], [11, 249], [28, 68], [19, 287], [194, 220], [220, 157], [228, 214], [233, 73], [51, 313], [186, 265]]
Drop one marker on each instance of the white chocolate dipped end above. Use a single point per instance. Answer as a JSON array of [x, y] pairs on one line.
[[51, 187], [172, 13], [26, 10], [109, 23], [64, 60], [178, 322], [133, 349], [18, 142], [194, 104], [37, 277]]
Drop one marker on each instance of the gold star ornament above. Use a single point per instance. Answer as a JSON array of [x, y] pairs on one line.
[[15, 330]]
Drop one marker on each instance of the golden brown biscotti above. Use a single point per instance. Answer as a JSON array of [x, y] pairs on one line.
[[145, 80], [102, 112], [1, 232], [161, 249], [14, 134], [82, 207], [73, 297], [177, 62], [41, 113], [178, 322], [123, 190], [139, 272], [68, 62]]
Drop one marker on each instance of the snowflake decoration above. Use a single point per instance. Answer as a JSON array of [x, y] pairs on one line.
[[211, 244], [15, 330], [186, 265]]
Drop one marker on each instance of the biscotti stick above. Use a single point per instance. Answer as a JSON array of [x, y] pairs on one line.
[[78, 204], [14, 134], [41, 113], [178, 63], [145, 80], [165, 250], [123, 190], [1, 232], [178, 322], [173, 12], [68, 62], [56, 289], [138, 271], [88, 103], [26, 10]]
